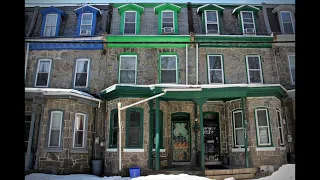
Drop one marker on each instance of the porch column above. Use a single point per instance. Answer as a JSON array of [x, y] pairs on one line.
[[245, 133], [200, 102], [33, 118], [157, 157], [150, 103]]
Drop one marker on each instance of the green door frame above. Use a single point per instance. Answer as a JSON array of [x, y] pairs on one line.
[[213, 112]]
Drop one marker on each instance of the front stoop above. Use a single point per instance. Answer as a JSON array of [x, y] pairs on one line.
[[243, 173]]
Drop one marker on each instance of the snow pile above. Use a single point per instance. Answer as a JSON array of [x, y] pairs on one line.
[[170, 177], [42, 176], [285, 172]]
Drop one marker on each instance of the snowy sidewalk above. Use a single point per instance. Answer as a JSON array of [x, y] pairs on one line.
[[285, 172]]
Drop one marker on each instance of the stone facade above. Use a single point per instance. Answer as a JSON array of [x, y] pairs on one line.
[[281, 56], [66, 161]]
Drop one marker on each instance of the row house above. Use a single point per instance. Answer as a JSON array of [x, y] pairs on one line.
[[155, 85]]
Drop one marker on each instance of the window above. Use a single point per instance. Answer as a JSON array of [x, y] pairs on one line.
[[55, 129], [50, 25], [134, 127], [215, 69], [168, 67], [248, 25], [292, 66], [280, 127], [86, 24], [238, 132], [127, 70], [212, 22], [153, 127], [113, 135], [81, 73], [27, 121], [130, 22], [286, 21], [167, 21], [263, 127], [43, 71], [254, 71], [79, 130]]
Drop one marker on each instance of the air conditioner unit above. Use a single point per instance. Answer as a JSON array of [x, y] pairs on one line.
[[249, 31], [85, 32], [167, 30]]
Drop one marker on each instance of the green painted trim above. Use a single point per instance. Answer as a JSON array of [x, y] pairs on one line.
[[159, 65], [190, 129], [176, 24], [270, 130], [130, 7], [136, 65], [205, 23], [260, 59], [202, 167], [160, 23], [232, 122], [121, 23], [246, 8], [161, 126], [240, 22], [167, 6], [111, 131], [203, 19], [149, 5], [150, 161], [157, 145], [247, 68], [246, 64], [211, 7], [226, 6], [138, 23], [150, 41], [141, 127], [222, 64]]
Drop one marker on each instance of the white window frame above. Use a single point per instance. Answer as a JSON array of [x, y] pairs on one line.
[[135, 22], [60, 130], [45, 26], [86, 24], [206, 22], [135, 68], [209, 70], [176, 69], [253, 22], [280, 127], [38, 72], [257, 127], [234, 128], [84, 129], [282, 27], [75, 73], [172, 20], [293, 82], [248, 70]]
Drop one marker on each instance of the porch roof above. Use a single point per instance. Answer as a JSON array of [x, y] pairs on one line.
[[182, 92]]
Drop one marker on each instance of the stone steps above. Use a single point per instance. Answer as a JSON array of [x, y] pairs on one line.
[[197, 173], [221, 174]]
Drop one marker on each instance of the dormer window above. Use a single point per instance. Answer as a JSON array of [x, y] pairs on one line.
[[87, 20], [51, 22], [210, 18], [130, 18], [247, 15], [286, 21], [86, 24], [167, 18]]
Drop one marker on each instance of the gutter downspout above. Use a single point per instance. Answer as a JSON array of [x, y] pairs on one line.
[[39, 136], [119, 120], [186, 64], [94, 133], [26, 63], [197, 56], [245, 133]]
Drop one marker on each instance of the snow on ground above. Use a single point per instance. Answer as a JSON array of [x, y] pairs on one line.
[[285, 172]]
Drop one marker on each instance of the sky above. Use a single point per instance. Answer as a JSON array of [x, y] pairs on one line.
[[162, 1]]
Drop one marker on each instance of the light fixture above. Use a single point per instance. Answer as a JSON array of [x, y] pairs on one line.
[[96, 140]]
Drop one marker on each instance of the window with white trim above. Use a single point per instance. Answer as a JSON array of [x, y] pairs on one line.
[[215, 69], [167, 22], [81, 73], [79, 130], [247, 20], [212, 22], [169, 73], [287, 22], [130, 22], [280, 127], [292, 66], [262, 127], [127, 70], [238, 131], [55, 129], [254, 70], [86, 24], [50, 25], [43, 72]]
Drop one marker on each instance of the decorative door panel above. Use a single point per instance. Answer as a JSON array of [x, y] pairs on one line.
[[181, 141], [211, 138]]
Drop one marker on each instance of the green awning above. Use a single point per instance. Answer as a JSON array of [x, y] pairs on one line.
[[130, 7]]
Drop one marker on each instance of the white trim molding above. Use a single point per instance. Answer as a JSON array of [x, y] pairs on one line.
[[161, 150], [133, 150], [112, 149], [239, 149], [265, 149]]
